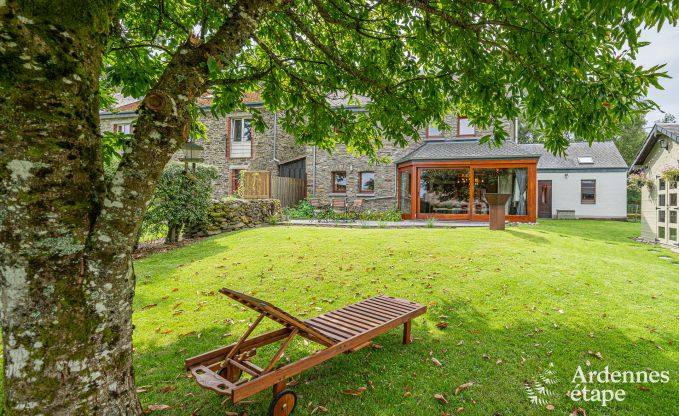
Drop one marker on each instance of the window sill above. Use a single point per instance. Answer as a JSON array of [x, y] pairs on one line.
[[366, 194], [337, 194]]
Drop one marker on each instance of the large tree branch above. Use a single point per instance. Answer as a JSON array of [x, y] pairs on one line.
[[163, 125]]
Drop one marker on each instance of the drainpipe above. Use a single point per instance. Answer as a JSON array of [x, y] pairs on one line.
[[275, 136], [516, 130], [313, 189]]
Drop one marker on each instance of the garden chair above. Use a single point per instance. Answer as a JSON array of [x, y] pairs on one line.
[[319, 208], [346, 329], [339, 205], [356, 208]]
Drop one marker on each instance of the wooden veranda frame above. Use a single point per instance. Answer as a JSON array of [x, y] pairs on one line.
[[417, 166]]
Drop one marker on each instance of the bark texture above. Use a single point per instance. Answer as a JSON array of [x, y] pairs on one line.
[[66, 236]]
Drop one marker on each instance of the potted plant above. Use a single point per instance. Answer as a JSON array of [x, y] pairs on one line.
[[638, 180], [670, 173]]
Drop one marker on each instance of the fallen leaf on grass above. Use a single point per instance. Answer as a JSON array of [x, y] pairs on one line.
[[175, 289], [149, 306], [356, 392], [376, 346], [437, 362], [578, 411], [168, 388], [406, 394], [550, 407], [499, 361], [596, 354], [143, 389], [463, 387], [442, 325], [177, 305], [441, 398], [157, 407], [320, 409], [232, 413], [644, 388], [460, 409]]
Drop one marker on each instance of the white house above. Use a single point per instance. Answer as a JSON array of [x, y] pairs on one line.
[[659, 206], [589, 182]]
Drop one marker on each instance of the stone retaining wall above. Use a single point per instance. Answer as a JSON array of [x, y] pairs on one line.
[[234, 214]]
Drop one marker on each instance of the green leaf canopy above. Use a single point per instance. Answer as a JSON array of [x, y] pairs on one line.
[[563, 66]]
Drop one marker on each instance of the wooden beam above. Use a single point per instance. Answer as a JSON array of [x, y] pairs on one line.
[[280, 352], [244, 337]]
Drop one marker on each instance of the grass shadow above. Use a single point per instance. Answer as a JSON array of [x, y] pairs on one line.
[[499, 360]]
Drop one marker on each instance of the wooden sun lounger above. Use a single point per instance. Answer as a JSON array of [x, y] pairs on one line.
[[343, 330]]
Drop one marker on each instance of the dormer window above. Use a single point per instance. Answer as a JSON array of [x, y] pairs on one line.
[[464, 128], [433, 131], [585, 160]]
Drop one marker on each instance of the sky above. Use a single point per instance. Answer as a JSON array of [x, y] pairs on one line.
[[664, 48]]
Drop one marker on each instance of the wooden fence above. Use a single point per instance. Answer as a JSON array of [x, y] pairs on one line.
[[260, 185], [256, 184], [288, 190]]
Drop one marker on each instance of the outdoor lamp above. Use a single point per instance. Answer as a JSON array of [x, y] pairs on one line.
[[193, 152]]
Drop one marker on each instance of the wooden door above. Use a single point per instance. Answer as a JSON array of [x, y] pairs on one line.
[[544, 199]]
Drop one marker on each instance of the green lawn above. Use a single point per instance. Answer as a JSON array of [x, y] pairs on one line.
[[531, 297]]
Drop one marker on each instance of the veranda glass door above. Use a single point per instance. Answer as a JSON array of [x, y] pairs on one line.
[[667, 212], [512, 181], [444, 193]]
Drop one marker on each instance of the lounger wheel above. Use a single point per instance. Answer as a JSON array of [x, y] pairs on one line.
[[283, 403]]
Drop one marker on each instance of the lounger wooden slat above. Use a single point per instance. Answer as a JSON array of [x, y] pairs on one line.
[[368, 314], [390, 305], [350, 321], [363, 319], [382, 308], [352, 329], [346, 329], [330, 330], [372, 311]]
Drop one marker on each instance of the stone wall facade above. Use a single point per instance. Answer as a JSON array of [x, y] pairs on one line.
[[319, 164], [234, 214], [215, 148]]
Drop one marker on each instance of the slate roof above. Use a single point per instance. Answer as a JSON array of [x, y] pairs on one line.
[[605, 155], [669, 130], [127, 104], [466, 150]]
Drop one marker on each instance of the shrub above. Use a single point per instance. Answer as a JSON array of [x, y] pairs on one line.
[[303, 210], [180, 198], [377, 215]]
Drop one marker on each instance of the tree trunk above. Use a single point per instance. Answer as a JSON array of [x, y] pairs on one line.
[[66, 236], [172, 233], [66, 303]]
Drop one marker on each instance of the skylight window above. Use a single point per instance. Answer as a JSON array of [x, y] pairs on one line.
[[585, 160]]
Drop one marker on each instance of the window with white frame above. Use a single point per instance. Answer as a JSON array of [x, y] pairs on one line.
[[123, 128]]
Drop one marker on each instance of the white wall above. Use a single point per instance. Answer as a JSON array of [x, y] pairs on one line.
[[611, 193]]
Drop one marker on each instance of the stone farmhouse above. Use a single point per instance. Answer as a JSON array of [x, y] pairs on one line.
[[442, 175]]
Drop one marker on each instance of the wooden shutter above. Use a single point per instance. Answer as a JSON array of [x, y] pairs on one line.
[[228, 137]]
